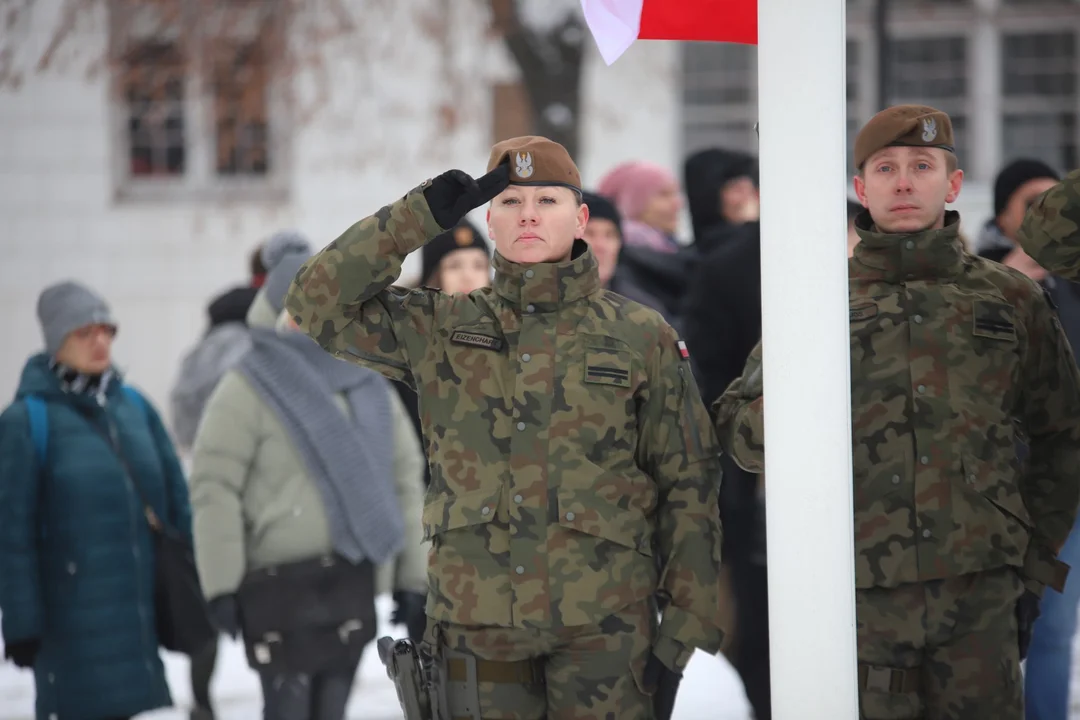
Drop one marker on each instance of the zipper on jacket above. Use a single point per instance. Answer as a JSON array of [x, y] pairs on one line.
[[688, 414]]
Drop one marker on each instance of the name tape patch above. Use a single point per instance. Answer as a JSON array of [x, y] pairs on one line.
[[461, 337]]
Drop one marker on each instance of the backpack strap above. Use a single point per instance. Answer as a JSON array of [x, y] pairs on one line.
[[39, 427], [134, 396]]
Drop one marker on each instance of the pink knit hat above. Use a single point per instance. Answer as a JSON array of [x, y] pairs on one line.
[[631, 185]]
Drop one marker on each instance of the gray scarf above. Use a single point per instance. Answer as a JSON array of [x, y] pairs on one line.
[[350, 461]]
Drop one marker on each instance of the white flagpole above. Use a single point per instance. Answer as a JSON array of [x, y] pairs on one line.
[[802, 113]]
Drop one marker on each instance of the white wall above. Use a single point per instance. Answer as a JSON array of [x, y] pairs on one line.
[[158, 263]]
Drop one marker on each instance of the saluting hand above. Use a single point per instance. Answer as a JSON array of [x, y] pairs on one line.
[[454, 193]]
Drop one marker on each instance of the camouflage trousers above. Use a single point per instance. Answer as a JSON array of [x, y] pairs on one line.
[[941, 650], [589, 672]]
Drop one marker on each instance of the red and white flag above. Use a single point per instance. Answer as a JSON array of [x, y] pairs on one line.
[[616, 24]]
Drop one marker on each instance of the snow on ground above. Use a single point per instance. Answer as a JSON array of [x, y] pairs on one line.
[[710, 689]]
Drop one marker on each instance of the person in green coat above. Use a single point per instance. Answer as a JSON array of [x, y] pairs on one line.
[[76, 552]]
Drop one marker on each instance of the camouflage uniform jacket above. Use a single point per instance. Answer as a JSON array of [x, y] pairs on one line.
[[955, 362], [1050, 233], [570, 452]]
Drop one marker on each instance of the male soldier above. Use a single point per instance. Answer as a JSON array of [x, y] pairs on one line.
[[954, 360], [1050, 233], [568, 445]]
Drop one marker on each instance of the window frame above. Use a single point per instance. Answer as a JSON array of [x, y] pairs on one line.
[[200, 180]]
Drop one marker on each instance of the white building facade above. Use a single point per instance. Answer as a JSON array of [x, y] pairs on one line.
[[151, 199], [154, 188]]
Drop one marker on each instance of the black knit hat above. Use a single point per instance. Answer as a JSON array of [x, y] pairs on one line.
[[464, 235], [1015, 174], [600, 208]]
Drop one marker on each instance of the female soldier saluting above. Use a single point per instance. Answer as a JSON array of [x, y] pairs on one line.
[[568, 445]]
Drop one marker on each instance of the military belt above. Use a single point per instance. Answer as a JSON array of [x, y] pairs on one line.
[[890, 680], [517, 672]]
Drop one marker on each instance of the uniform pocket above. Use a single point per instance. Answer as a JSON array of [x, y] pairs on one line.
[[454, 512], [593, 516], [608, 366], [997, 482]]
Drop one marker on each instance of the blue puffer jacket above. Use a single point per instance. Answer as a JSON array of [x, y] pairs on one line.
[[76, 554]]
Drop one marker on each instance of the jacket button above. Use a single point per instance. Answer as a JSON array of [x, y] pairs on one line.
[[922, 389], [526, 357], [485, 510], [530, 308], [520, 570], [521, 426], [518, 499], [570, 516], [895, 479], [972, 478], [529, 274], [926, 533], [917, 319], [910, 245], [925, 460]]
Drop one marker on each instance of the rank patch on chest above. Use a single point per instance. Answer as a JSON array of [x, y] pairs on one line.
[[461, 337], [994, 320], [607, 375], [862, 312]]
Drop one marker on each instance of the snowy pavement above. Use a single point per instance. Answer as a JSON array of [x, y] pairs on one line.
[[710, 689]]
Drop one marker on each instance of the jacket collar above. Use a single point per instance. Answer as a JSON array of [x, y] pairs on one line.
[[548, 286], [901, 257]]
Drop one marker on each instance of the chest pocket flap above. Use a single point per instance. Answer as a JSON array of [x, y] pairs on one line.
[[607, 361]]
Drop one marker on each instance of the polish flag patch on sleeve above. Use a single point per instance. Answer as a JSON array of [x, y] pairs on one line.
[[683, 352]]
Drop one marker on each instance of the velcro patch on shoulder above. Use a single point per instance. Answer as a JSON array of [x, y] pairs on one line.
[[862, 312], [488, 342]]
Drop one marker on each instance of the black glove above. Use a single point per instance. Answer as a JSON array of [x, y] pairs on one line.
[[409, 611], [226, 614], [663, 684], [1027, 612], [454, 193], [23, 653]]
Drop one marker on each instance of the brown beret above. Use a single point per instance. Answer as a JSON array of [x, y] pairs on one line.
[[536, 161], [907, 125]]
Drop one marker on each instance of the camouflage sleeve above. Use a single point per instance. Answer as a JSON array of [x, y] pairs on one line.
[[1050, 233], [343, 296], [740, 417], [1049, 412], [679, 450]]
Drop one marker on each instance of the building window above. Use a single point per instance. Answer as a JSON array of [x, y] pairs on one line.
[[932, 71], [719, 96], [154, 92], [197, 114], [1039, 98], [241, 109]]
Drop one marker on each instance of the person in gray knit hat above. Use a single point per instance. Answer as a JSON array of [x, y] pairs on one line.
[[283, 254], [66, 308], [82, 454]]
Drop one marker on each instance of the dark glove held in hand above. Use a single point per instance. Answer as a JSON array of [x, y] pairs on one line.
[[1027, 612], [409, 611], [454, 193], [226, 614], [663, 684], [23, 653]]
